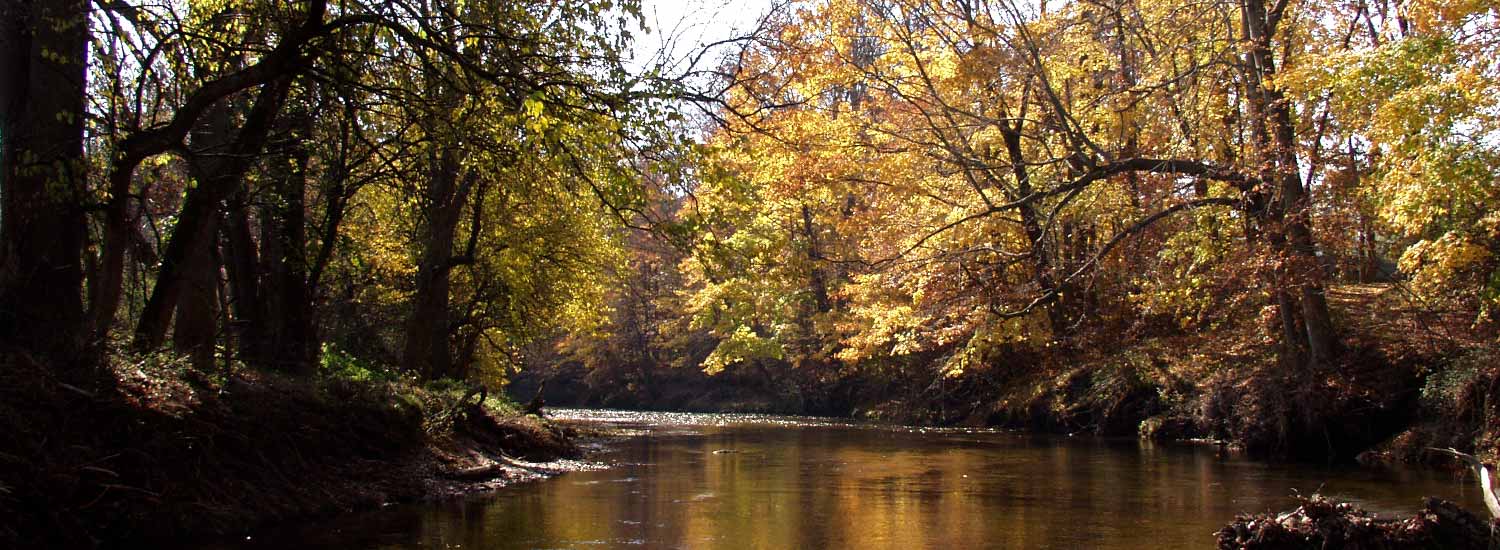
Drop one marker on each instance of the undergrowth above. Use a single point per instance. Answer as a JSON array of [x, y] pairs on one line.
[[159, 450]]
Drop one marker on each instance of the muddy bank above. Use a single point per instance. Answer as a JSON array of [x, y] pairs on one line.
[[1321, 524], [162, 453]]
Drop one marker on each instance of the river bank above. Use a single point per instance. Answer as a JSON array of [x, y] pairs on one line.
[[733, 481], [1409, 379], [167, 453]]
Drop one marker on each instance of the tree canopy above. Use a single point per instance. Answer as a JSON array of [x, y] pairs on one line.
[[894, 186]]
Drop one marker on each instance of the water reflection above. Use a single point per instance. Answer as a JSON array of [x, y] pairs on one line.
[[799, 483]]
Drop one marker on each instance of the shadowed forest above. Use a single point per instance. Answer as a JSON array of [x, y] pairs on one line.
[[264, 260]]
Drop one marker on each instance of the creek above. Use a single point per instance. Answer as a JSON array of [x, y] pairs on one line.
[[719, 481]]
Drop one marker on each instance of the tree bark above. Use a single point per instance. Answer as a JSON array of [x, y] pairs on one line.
[[817, 278], [200, 209], [42, 180], [242, 262], [1041, 263], [1306, 322], [288, 343], [195, 332], [427, 331]]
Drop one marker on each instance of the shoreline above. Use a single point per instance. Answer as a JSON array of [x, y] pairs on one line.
[[482, 475], [167, 457], [268, 451]]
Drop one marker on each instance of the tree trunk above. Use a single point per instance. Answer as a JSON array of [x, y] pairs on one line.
[[289, 328], [42, 180], [200, 210], [194, 299], [1369, 257], [107, 285], [195, 332], [428, 329], [1306, 323], [818, 281], [243, 265], [1041, 264]]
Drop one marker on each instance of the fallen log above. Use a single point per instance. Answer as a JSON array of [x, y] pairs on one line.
[[478, 473]]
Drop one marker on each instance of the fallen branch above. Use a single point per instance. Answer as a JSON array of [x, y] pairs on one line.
[[488, 471], [1486, 483]]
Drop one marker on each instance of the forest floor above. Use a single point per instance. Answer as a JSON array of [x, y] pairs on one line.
[[168, 453]]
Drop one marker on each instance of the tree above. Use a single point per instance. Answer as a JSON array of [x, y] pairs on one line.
[[998, 152], [43, 56]]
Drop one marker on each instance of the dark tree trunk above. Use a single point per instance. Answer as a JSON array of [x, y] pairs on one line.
[[818, 280], [1306, 323], [42, 180], [196, 299], [107, 285], [427, 332], [241, 261], [1041, 262], [468, 353], [1369, 257], [195, 332], [200, 210], [288, 341]]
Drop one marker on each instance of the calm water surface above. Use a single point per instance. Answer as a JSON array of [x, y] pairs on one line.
[[738, 481]]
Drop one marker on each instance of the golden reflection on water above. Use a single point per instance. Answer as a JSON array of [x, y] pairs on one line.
[[808, 485], [779, 483]]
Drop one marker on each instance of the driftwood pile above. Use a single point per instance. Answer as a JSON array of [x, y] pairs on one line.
[[1323, 524], [1319, 523]]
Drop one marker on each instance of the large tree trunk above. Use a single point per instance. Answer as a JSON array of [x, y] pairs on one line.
[[288, 343], [428, 330], [195, 332], [106, 287], [42, 231], [1307, 270], [200, 210], [1306, 322], [242, 262]]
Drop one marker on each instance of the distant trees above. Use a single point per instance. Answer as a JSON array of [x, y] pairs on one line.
[[1408, 99], [899, 182]]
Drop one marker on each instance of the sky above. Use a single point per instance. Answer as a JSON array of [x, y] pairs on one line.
[[681, 27]]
